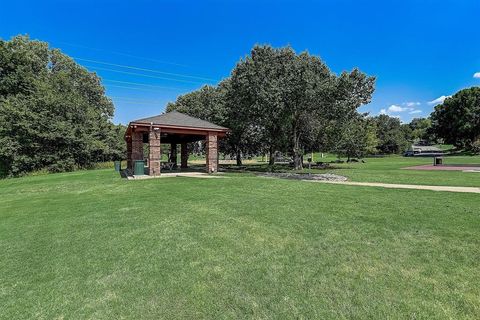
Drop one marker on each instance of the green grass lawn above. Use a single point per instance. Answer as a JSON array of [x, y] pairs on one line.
[[390, 170], [91, 245]]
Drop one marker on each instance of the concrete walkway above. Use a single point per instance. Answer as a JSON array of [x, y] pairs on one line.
[[403, 186], [193, 174]]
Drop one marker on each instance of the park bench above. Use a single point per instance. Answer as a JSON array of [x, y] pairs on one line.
[[168, 165]]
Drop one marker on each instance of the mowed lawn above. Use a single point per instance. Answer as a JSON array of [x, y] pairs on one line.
[[391, 169], [91, 245]]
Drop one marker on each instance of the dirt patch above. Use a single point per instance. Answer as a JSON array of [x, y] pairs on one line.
[[305, 176]]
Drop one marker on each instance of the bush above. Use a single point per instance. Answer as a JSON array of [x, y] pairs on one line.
[[475, 148], [66, 165], [3, 170]]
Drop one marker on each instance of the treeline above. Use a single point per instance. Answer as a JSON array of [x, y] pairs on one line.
[[54, 114], [276, 100]]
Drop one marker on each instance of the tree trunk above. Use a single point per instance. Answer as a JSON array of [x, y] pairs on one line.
[[239, 158], [271, 156], [297, 157]]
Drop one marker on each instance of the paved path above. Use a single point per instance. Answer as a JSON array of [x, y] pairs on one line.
[[447, 167], [403, 186], [193, 174]]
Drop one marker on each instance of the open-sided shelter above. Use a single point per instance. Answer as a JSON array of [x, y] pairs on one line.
[[172, 128]]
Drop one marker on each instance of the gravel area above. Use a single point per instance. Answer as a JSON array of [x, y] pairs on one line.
[[305, 176]]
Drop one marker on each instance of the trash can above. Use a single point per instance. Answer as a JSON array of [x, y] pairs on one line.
[[118, 166], [139, 168], [437, 161]]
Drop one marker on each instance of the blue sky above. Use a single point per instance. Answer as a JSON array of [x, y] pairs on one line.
[[418, 50]]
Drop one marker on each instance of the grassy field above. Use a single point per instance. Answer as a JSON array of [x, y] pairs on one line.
[[91, 245], [390, 170]]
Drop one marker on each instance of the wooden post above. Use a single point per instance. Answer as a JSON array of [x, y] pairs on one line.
[[212, 152], [184, 156], [154, 155]]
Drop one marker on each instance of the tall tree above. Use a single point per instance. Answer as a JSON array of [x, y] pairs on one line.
[[420, 129], [291, 95], [220, 105], [352, 142], [206, 103], [457, 119], [53, 113], [257, 84], [390, 134]]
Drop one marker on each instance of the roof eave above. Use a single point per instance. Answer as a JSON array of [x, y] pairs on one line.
[[137, 123]]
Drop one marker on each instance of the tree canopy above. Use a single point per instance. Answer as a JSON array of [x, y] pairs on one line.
[[420, 129], [278, 100], [391, 135], [54, 114], [457, 119]]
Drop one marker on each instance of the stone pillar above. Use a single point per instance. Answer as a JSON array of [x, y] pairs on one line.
[[137, 147], [128, 140], [173, 154], [184, 156], [212, 152], [154, 155]]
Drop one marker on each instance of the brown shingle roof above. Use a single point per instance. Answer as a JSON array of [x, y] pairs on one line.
[[175, 118]]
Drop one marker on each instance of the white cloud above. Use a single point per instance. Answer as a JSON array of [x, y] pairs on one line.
[[476, 75], [439, 100], [411, 104], [395, 108], [406, 107]]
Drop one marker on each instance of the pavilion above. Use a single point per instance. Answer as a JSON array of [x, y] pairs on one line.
[[171, 128]]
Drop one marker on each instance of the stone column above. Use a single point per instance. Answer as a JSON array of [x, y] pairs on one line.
[[173, 154], [137, 147], [212, 152], [128, 140], [154, 155], [184, 156]]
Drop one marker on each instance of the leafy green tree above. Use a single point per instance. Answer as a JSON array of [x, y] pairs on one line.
[[457, 119], [420, 129], [293, 96], [372, 140], [256, 84], [277, 100], [390, 134], [117, 148], [357, 137], [206, 103], [246, 137], [219, 104], [352, 142], [407, 132], [53, 113]]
